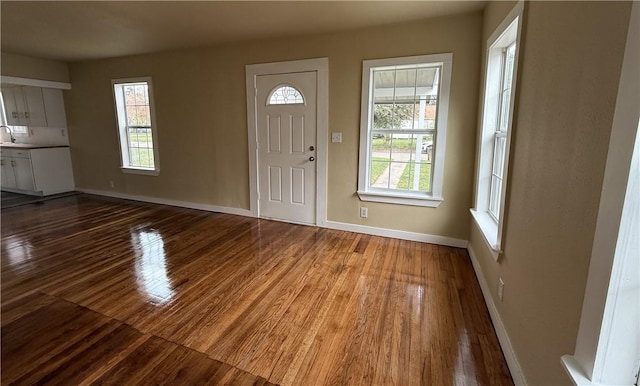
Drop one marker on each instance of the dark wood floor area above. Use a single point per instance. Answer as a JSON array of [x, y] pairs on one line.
[[98, 290]]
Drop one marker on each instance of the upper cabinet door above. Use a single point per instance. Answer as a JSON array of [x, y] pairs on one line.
[[54, 108], [35, 111], [14, 106]]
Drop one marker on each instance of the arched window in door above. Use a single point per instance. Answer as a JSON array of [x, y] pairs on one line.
[[285, 95]]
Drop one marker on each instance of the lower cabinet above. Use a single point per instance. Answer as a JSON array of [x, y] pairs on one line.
[[40, 171]]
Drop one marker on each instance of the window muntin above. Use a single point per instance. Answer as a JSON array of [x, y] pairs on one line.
[[286, 95], [404, 127], [134, 110]]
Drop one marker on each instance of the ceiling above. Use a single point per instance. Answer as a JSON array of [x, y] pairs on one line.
[[82, 30]]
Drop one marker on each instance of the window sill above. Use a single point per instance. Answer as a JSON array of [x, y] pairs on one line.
[[143, 172], [401, 199], [575, 371], [489, 229]]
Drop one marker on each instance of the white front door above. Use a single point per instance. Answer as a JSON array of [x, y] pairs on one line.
[[286, 131]]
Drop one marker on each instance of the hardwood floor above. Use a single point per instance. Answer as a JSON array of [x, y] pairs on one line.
[[109, 291]]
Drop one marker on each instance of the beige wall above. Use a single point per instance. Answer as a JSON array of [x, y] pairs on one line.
[[33, 68], [202, 126], [572, 55]]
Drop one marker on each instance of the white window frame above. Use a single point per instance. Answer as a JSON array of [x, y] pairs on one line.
[[393, 196], [119, 104], [508, 32]]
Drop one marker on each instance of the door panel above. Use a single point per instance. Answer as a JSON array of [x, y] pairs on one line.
[[286, 134]]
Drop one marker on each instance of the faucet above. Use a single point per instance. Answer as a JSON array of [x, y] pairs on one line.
[[13, 139]]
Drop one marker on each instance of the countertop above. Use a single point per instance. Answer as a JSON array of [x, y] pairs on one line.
[[27, 146]]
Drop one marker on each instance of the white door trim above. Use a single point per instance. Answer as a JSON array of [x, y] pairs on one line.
[[321, 67]]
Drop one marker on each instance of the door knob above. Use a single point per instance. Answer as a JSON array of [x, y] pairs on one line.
[[312, 148], [312, 158]]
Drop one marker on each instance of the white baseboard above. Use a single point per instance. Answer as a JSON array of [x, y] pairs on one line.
[[503, 337], [396, 234], [163, 201]]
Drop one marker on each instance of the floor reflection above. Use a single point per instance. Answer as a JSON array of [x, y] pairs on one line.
[[17, 251], [151, 266]]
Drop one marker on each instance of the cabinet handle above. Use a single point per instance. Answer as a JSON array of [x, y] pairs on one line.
[[1, 162], [13, 163]]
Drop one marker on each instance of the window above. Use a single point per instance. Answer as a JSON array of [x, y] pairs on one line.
[[136, 125], [403, 129], [286, 95], [495, 135]]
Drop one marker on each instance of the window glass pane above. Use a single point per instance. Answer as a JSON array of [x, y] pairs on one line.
[[286, 95], [132, 116], [403, 114], [398, 162], [500, 146], [494, 197], [383, 118], [428, 79], [426, 142], [143, 116], [379, 172], [510, 55], [504, 110], [141, 95], [383, 86], [129, 95], [405, 87]]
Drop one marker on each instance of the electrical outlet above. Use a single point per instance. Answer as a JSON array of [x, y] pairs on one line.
[[111, 184], [364, 212], [500, 289], [336, 137]]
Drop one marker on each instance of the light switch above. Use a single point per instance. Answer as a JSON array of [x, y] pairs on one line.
[[336, 137]]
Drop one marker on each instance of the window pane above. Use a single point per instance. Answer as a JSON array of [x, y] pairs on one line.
[[143, 116], [504, 110], [426, 142], [500, 146], [383, 86], [379, 172], [399, 162], [141, 95], [510, 55], [405, 87], [428, 79], [403, 115], [286, 95], [132, 116], [383, 118], [129, 95], [494, 196]]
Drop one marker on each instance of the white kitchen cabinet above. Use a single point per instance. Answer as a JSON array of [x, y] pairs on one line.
[[34, 106], [14, 106], [54, 107], [37, 170], [8, 174]]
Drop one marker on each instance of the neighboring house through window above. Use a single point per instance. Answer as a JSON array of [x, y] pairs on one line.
[[403, 129], [136, 125], [495, 136]]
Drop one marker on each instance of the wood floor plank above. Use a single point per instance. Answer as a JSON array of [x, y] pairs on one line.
[[107, 291]]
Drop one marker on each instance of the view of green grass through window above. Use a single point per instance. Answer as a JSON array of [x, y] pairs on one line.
[[402, 161]]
